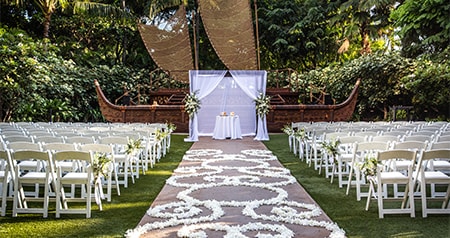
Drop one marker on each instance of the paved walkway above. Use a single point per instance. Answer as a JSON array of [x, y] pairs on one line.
[[233, 188]]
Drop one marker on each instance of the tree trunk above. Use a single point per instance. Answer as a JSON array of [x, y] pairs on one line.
[[47, 17], [365, 40]]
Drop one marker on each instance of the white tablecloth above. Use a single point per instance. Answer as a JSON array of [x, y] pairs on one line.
[[227, 127]]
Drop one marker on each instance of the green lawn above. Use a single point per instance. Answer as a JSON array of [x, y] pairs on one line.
[[125, 211]]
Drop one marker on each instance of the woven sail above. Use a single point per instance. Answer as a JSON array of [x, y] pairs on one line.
[[229, 26], [169, 45]]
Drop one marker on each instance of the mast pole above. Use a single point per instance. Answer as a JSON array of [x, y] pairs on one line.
[[194, 31], [258, 60]]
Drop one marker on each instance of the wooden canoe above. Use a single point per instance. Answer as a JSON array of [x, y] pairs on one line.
[[281, 113]]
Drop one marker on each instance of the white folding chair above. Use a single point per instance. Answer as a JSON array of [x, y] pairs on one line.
[[346, 150], [81, 175], [23, 177], [112, 171], [5, 179], [428, 176], [121, 157], [402, 165], [362, 151], [384, 177]]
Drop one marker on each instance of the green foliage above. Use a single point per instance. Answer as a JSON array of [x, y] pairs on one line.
[[39, 85], [424, 26], [295, 34], [430, 82]]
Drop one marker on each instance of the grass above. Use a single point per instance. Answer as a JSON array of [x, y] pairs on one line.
[[122, 213], [350, 214], [125, 211]]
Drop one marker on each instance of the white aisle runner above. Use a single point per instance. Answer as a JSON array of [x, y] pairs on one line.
[[216, 192]]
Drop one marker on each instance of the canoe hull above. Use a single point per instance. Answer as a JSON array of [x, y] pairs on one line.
[[278, 116]]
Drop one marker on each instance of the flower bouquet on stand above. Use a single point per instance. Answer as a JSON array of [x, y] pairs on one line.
[[262, 104], [102, 167], [331, 149], [191, 106]]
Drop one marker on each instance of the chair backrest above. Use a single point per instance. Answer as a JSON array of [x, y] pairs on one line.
[[335, 135], [395, 133], [4, 160], [372, 146], [131, 135], [12, 133], [33, 155], [366, 133], [352, 139], [49, 139], [425, 133], [411, 145], [20, 145], [80, 139], [388, 138], [437, 154], [99, 148], [440, 145], [11, 139], [58, 146], [364, 149], [384, 157], [418, 138], [118, 140], [86, 158], [442, 138]]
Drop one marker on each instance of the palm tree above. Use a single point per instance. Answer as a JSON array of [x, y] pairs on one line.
[[48, 7], [364, 20]]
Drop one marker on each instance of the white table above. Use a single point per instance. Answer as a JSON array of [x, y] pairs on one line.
[[227, 127]]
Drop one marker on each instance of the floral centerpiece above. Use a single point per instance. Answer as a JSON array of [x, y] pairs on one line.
[[369, 166], [262, 104], [191, 104]]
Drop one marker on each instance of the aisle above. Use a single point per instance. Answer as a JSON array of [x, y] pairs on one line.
[[233, 188]]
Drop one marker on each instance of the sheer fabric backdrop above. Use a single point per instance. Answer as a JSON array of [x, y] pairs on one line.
[[218, 93]]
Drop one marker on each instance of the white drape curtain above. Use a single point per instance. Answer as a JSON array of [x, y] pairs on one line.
[[218, 93]]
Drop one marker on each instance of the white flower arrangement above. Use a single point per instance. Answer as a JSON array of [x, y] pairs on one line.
[[101, 165], [190, 211], [331, 147], [288, 130], [171, 127], [369, 166], [262, 104], [191, 103]]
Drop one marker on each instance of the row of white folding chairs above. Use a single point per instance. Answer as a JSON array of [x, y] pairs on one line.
[[27, 169], [131, 165], [417, 178], [372, 146], [437, 170]]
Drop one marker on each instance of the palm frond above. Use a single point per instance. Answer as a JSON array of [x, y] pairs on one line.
[[101, 9]]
